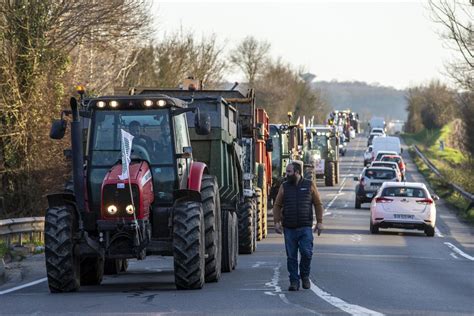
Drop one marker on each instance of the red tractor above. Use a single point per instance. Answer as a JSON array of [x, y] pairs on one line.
[[168, 205]]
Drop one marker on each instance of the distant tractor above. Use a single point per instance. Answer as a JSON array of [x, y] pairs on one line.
[[321, 158], [168, 205]]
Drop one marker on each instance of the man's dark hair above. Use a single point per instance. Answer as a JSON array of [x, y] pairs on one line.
[[296, 167]]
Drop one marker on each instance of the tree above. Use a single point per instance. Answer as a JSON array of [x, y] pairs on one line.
[[38, 39], [250, 56], [456, 17]]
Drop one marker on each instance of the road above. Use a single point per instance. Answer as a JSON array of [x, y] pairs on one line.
[[396, 272]]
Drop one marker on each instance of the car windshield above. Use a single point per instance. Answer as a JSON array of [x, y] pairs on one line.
[[387, 165], [380, 174], [404, 192], [151, 131], [391, 158]]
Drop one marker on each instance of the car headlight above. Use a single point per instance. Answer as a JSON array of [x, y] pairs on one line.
[[112, 209]]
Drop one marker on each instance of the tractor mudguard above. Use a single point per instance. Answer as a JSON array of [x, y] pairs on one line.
[[196, 170], [62, 199], [187, 195]]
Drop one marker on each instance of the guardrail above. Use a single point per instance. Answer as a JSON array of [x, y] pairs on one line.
[[15, 230], [454, 186]]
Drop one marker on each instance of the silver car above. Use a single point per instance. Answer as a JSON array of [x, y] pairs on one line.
[[370, 180]]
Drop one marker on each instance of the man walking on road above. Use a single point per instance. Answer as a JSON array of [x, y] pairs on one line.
[[293, 209]]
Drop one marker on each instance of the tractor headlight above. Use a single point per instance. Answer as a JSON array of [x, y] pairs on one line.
[[130, 209], [148, 103], [112, 209], [161, 102], [113, 104], [101, 104]]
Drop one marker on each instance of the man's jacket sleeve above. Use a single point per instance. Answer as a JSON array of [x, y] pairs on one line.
[[316, 200]]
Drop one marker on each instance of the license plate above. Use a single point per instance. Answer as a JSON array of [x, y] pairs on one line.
[[403, 216]]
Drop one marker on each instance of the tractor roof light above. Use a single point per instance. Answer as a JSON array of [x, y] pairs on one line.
[[113, 103], [101, 104], [148, 103], [161, 103], [130, 209], [112, 209], [80, 89]]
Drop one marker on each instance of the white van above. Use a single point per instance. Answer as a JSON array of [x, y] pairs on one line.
[[387, 143]]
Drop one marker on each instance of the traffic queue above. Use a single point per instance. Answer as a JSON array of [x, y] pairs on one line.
[[394, 202]]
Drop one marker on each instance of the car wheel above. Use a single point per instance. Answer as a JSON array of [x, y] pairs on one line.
[[430, 231], [374, 229]]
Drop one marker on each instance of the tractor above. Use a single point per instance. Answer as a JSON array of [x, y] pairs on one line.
[[161, 202]]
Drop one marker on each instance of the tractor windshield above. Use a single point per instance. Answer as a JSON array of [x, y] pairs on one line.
[[320, 142], [151, 131]]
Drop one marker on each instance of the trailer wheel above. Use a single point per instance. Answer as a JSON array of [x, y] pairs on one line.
[[337, 172], [212, 224], [61, 253], [246, 215], [112, 266], [235, 240], [227, 239], [188, 245], [258, 192]]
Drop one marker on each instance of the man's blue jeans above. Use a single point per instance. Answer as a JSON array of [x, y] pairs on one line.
[[298, 239]]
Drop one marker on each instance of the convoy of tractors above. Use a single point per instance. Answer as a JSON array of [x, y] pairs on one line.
[[204, 168]]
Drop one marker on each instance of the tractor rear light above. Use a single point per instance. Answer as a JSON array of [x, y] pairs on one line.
[[113, 103], [130, 209], [112, 209], [148, 103], [101, 104], [161, 103], [426, 201], [383, 200]]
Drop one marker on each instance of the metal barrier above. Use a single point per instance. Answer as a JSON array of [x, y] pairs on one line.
[[454, 186], [16, 229]]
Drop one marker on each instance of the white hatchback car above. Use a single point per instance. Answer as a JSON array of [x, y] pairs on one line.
[[406, 205]]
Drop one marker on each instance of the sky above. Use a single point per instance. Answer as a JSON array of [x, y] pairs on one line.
[[392, 43]]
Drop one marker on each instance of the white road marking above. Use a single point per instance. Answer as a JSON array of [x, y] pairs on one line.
[[274, 282], [452, 254], [342, 305], [16, 288], [438, 233], [459, 251]]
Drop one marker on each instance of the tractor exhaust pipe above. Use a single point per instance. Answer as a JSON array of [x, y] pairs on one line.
[[77, 156]]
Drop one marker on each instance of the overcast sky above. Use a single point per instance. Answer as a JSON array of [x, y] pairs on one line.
[[393, 43]]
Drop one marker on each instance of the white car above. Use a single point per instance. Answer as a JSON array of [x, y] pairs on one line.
[[378, 130], [388, 164], [406, 205]]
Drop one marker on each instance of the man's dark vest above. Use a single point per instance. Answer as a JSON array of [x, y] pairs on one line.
[[297, 206]]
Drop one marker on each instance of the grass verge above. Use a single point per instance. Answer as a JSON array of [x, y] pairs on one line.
[[442, 188]]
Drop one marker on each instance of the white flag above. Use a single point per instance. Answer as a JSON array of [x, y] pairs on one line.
[[126, 147]]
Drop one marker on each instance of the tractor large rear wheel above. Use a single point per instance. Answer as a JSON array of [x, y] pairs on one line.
[[262, 184], [246, 215], [258, 192], [212, 224], [330, 174], [188, 245], [61, 252]]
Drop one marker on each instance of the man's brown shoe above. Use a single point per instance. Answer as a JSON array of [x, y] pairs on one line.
[[306, 283], [294, 286]]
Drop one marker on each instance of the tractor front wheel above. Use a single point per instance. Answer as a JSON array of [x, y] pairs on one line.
[[61, 252], [246, 215]]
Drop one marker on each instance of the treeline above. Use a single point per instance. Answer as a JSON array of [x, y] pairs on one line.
[[434, 105], [49, 46]]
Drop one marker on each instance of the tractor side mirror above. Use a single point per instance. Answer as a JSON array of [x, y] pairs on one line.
[[356, 178], [300, 137], [269, 145], [435, 197], [401, 150], [58, 129], [202, 123]]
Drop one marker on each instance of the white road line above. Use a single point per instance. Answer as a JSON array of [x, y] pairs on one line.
[[459, 251], [438, 233], [342, 305], [23, 286], [452, 254]]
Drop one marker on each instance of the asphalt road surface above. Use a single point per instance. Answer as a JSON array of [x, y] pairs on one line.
[[397, 272]]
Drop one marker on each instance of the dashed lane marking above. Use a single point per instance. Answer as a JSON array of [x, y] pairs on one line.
[[459, 251], [16, 288]]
